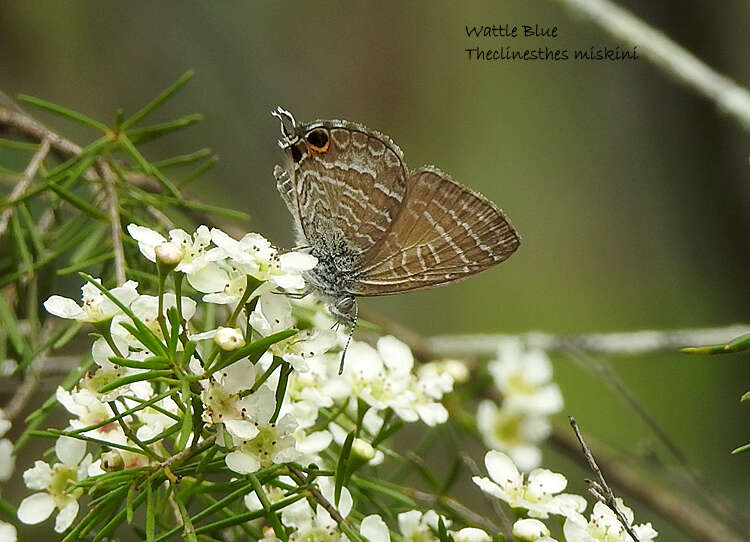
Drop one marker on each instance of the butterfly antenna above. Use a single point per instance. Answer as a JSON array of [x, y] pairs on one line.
[[285, 116], [349, 337]]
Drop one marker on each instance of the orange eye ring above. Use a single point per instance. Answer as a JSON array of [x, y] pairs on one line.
[[318, 140]]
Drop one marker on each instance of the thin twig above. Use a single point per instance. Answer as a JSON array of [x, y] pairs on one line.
[[19, 123], [703, 488], [188, 452], [669, 56], [113, 211], [301, 480], [681, 512], [599, 487], [625, 343], [24, 183]]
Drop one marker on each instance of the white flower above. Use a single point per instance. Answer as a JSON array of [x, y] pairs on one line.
[[223, 401], [533, 530], [226, 338], [7, 459], [8, 532], [90, 410], [146, 309], [191, 249], [255, 256], [470, 534], [380, 380], [273, 442], [317, 524], [523, 377], [420, 527], [374, 529], [57, 483], [540, 494], [273, 314], [513, 432], [96, 305], [603, 526], [316, 388]]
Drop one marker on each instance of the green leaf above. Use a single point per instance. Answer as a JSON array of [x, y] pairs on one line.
[[741, 449], [75, 201], [8, 319], [270, 514], [63, 111], [148, 133], [343, 467], [155, 362], [443, 532], [183, 159], [160, 99], [286, 370], [125, 380], [254, 350], [199, 171], [187, 522], [150, 515], [739, 343]]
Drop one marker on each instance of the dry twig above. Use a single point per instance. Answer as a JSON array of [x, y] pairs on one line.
[[599, 488]]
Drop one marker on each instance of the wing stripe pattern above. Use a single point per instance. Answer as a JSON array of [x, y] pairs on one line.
[[444, 233], [355, 187]]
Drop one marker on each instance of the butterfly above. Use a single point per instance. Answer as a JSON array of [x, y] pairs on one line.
[[375, 227]]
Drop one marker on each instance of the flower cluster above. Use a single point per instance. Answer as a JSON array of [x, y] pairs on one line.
[[262, 390], [520, 422], [539, 496]]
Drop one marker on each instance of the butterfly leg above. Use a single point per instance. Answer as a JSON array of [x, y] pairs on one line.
[[346, 311]]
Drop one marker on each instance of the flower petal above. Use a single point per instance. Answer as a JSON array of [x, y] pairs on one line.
[[374, 529], [502, 469], [63, 307], [70, 450], [242, 463], [36, 508], [66, 516]]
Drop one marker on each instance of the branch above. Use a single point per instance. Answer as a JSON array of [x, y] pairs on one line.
[[19, 123], [301, 480], [599, 487], [670, 57], [684, 514], [23, 184], [625, 343]]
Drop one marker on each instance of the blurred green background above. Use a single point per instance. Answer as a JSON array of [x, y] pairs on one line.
[[631, 192]]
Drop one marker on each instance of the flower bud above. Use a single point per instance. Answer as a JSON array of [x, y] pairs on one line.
[[471, 534], [456, 369], [363, 449], [169, 253], [112, 461], [529, 529], [229, 338]]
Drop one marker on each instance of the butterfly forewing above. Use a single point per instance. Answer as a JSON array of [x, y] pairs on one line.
[[443, 233], [356, 184]]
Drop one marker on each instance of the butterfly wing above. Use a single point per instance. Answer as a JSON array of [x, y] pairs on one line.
[[346, 183], [444, 233]]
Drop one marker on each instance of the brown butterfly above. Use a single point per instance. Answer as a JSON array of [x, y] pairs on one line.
[[375, 227]]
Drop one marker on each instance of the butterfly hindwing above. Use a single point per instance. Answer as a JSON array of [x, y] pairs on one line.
[[443, 233]]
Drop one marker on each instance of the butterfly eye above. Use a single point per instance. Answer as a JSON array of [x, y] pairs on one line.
[[298, 152], [318, 140]]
